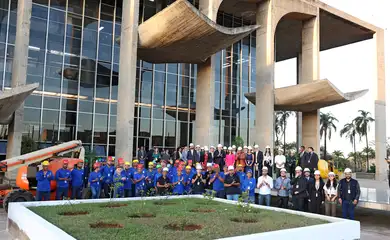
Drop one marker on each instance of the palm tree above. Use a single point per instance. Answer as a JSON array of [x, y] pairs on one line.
[[327, 123], [338, 159], [349, 130], [277, 128], [363, 126], [284, 115]]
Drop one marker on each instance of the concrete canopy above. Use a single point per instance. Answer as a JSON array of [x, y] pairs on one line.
[[10, 100], [180, 33], [309, 96]]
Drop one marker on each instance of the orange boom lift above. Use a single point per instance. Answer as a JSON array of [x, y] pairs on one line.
[[29, 164]]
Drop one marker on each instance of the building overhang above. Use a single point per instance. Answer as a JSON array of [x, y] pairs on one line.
[[309, 96], [180, 33], [10, 101]]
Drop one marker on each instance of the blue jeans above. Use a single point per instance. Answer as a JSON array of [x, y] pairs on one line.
[[77, 192], [95, 192], [43, 196], [61, 193], [251, 199], [233, 197], [348, 209], [266, 198]]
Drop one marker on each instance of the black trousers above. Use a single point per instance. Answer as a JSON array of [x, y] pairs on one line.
[[306, 205], [298, 203], [283, 202], [292, 171], [315, 205]]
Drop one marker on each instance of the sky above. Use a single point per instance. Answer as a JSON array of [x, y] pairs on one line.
[[349, 68]]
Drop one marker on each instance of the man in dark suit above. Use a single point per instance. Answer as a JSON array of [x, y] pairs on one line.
[[312, 160], [219, 157], [192, 154], [259, 156], [141, 155], [303, 156]]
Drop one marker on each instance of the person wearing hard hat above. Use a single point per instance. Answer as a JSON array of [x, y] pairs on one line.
[[94, 181], [121, 162], [44, 177], [249, 159], [149, 179], [188, 179], [234, 150], [63, 178], [211, 155], [198, 181], [77, 176], [230, 157], [268, 160], [258, 166], [219, 156], [240, 157], [349, 194], [139, 181], [107, 172], [265, 183], [178, 182], [133, 170], [163, 183], [283, 186], [316, 193], [249, 186], [299, 190], [217, 178], [209, 172], [241, 174], [330, 191], [119, 180], [232, 185], [309, 180], [280, 161], [128, 181]]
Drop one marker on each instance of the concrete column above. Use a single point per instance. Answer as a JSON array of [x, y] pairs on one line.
[[126, 83], [19, 74], [310, 72], [205, 131], [299, 114], [380, 108], [265, 64]]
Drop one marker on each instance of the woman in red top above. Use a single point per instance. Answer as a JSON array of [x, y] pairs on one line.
[[230, 157]]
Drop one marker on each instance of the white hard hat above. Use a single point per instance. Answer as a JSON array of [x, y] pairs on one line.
[[245, 147], [209, 164], [306, 170], [191, 144], [267, 146], [234, 146], [219, 145], [265, 168], [256, 146], [165, 169], [298, 168], [239, 148], [224, 147], [331, 174], [201, 147], [230, 148], [347, 170], [250, 148], [317, 172], [198, 167], [206, 148], [283, 170], [231, 168], [198, 146], [212, 147]]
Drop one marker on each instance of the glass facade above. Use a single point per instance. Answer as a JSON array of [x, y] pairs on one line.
[[74, 56]]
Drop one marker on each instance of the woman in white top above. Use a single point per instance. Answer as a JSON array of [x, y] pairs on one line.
[[330, 190], [268, 160], [280, 161]]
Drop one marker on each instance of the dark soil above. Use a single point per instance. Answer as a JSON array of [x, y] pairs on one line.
[[244, 220], [75, 213], [202, 210], [164, 203], [105, 225], [142, 215], [186, 227], [207, 202], [114, 205]]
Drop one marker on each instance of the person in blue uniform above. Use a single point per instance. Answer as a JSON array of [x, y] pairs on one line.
[[157, 176], [139, 181], [133, 170], [217, 179], [63, 178], [108, 175], [94, 181], [178, 183], [128, 181], [77, 176], [249, 186], [149, 179], [188, 179], [44, 177], [119, 182], [241, 174]]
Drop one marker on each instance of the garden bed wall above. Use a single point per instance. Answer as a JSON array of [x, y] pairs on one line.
[[25, 224]]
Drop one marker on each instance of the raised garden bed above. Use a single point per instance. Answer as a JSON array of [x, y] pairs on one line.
[[176, 218]]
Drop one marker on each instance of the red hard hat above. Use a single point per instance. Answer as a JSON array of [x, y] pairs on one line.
[[140, 166], [177, 161], [109, 158], [65, 161], [121, 161], [216, 165], [96, 165]]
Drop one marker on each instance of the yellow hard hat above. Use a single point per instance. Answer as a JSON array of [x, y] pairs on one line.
[[127, 163], [45, 163], [135, 161], [151, 164]]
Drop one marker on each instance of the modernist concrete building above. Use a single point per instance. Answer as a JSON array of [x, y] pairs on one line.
[[185, 72]]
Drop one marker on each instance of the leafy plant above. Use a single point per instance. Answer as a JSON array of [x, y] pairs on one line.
[[28, 145], [209, 196], [243, 204], [238, 141]]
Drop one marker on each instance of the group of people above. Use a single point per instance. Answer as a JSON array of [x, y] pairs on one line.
[[225, 174]]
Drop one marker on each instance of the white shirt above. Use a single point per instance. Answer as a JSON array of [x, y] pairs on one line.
[[331, 190], [264, 188], [280, 160]]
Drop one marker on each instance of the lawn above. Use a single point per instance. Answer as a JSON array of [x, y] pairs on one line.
[[154, 219]]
